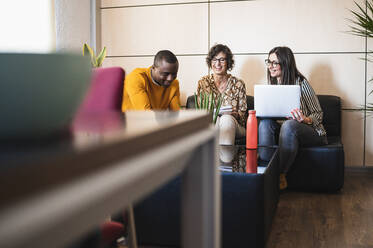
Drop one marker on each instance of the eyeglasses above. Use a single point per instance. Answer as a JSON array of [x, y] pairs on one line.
[[273, 63], [221, 60]]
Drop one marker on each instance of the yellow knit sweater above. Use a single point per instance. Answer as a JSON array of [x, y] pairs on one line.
[[140, 93]]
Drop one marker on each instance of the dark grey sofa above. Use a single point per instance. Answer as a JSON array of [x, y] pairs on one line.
[[319, 168]]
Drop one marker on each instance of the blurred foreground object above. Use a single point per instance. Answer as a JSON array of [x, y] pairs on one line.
[[39, 93], [105, 91]]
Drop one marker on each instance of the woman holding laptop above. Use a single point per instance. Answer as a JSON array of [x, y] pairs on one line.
[[232, 90], [304, 128]]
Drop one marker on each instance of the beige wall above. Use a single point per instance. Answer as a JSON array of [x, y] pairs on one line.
[[133, 31], [72, 24]]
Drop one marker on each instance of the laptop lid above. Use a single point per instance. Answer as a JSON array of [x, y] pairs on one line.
[[276, 100]]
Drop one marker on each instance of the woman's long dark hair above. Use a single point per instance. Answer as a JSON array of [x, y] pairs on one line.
[[290, 73]]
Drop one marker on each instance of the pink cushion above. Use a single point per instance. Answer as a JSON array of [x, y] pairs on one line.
[[105, 92]]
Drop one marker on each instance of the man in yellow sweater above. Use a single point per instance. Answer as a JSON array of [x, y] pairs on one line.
[[153, 88]]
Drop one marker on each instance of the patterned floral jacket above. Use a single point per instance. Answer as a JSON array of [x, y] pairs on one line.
[[234, 94]]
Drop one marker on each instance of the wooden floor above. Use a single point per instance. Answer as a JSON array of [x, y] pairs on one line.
[[315, 220], [326, 220]]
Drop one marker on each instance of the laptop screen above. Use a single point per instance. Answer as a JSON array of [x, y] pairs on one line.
[[276, 100]]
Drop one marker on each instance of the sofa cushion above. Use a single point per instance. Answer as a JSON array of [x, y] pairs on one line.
[[331, 106], [319, 168]]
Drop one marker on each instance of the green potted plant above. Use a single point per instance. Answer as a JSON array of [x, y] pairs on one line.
[[209, 102], [96, 61], [362, 25]]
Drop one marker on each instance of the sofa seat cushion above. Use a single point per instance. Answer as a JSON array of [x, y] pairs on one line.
[[318, 168], [334, 141]]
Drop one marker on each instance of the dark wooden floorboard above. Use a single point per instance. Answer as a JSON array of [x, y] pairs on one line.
[[320, 220]]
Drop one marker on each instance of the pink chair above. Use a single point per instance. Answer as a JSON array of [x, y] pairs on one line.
[[105, 92], [104, 97], [110, 232]]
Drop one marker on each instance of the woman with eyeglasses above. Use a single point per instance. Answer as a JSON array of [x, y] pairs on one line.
[[231, 89], [304, 128]]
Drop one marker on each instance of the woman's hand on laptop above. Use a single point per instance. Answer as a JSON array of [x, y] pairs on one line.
[[297, 115]]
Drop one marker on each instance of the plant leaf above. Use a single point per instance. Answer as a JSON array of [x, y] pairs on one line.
[[211, 110], [204, 100], [94, 61], [196, 101], [363, 23], [217, 109], [101, 57], [88, 50], [208, 102], [200, 100]]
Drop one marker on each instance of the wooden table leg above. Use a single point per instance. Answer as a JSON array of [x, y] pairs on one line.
[[132, 240]]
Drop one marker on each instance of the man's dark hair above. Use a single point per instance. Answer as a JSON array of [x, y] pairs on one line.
[[290, 72], [164, 55], [215, 50]]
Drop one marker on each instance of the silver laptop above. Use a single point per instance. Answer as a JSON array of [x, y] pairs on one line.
[[276, 100]]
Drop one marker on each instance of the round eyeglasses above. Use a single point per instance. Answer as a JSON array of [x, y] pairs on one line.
[[221, 60], [273, 63]]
